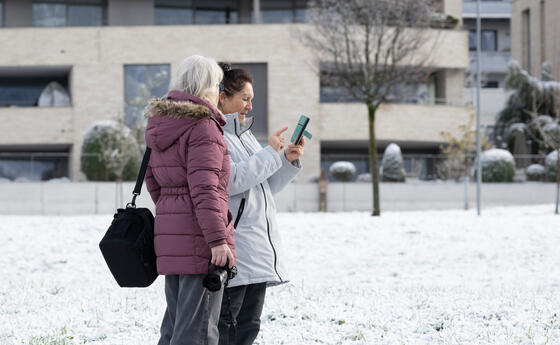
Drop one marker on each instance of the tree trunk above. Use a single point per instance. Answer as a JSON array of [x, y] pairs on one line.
[[557, 179], [374, 170], [323, 191], [466, 182]]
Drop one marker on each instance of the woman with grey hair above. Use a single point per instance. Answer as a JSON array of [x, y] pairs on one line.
[[188, 179]]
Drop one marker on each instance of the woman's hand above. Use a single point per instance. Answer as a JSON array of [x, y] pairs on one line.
[[293, 152], [276, 141], [222, 255]]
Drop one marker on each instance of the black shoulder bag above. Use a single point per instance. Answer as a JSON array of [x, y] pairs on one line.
[[128, 244]]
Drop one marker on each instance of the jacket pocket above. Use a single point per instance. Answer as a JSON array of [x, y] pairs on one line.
[[239, 212]]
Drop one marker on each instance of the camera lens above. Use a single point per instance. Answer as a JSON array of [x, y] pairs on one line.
[[215, 280]]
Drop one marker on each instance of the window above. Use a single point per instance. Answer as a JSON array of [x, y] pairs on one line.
[[173, 12], [423, 92], [34, 87], [356, 153], [184, 12], [492, 84], [29, 163], [216, 14], [143, 82], [488, 40], [278, 12], [1, 13], [68, 13]]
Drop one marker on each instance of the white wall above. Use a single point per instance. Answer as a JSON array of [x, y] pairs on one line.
[[99, 198]]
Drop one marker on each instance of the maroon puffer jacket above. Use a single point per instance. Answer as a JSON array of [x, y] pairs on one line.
[[188, 178]]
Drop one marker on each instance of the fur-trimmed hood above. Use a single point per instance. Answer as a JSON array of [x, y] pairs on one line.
[[170, 117], [176, 110]]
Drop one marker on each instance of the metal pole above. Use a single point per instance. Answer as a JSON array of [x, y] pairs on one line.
[[478, 142]]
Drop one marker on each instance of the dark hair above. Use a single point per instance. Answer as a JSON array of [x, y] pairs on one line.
[[234, 79]]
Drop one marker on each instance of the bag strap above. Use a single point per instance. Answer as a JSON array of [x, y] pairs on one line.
[[140, 178]]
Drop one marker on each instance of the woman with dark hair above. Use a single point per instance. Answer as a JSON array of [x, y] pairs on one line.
[[188, 177], [257, 174]]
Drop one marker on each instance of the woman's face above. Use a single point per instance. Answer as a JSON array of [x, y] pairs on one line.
[[241, 102]]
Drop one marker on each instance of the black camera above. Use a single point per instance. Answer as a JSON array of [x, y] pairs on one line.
[[218, 277]]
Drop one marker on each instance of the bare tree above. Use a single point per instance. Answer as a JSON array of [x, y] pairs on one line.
[[374, 50]]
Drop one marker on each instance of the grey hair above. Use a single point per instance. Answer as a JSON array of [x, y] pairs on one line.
[[199, 76]]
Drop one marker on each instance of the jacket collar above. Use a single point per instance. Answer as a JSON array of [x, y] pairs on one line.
[[233, 125]]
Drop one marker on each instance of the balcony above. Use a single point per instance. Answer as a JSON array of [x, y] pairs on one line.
[[394, 122], [488, 9], [491, 62]]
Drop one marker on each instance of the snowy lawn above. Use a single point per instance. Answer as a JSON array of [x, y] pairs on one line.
[[436, 277]]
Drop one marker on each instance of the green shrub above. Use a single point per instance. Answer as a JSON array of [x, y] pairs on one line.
[[497, 166], [551, 165], [119, 145], [342, 171], [535, 172]]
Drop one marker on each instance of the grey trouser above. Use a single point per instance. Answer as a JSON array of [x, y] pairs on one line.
[[192, 313], [245, 305]]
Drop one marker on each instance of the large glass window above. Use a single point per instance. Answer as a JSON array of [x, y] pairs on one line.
[[183, 12], [336, 152], [34, 87], [143, 82], [67, 13], [1, 13], [417, 163], [29, 164], [173, 12], [489, 40], [279, 11], [412, 93]]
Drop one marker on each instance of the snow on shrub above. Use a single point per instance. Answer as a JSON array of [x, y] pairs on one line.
[[497, 166], [109, 150], [535, 172], [365, 177], [59, 180], [551, 164], [392, 165], [517, 127], [342, 171]]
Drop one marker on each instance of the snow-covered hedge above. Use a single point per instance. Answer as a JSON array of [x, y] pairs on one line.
[[365, 177], [551, 164], [392, 165], [497, 166], [342, 171], [535, 172], [109, 148]]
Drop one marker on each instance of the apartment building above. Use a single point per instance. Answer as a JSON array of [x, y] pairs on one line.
[[495, 17], [105, 55], [536, 34]]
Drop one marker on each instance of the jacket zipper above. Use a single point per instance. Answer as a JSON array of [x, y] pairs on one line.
[[265, 207], [239, 213]]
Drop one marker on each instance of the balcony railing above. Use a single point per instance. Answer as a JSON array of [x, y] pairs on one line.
[[488, 9], [491, 62]]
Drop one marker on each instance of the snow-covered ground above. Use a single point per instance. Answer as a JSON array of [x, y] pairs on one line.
[[431, 277]]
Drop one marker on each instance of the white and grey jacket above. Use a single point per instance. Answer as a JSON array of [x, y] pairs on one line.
[[257, 174]]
